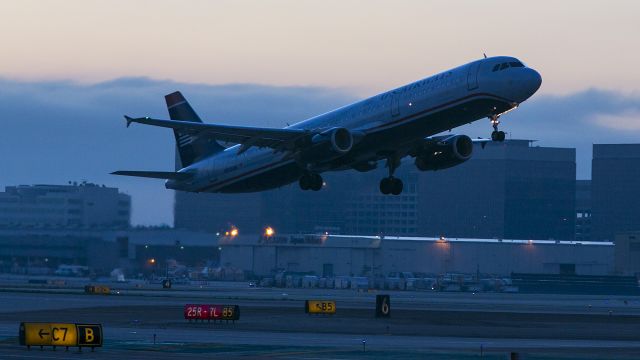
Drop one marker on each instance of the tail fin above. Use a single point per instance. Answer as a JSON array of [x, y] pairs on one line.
[[189, 148]]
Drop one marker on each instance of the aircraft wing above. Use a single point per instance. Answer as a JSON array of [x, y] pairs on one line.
[[155, 174], [278, 139]]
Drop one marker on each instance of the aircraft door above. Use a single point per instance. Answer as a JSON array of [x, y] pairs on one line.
[[395, 104], [472, 75]]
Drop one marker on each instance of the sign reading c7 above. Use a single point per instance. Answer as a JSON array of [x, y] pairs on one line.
[[64, 335]]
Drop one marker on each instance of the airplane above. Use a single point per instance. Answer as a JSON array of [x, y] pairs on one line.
[[403, 122]]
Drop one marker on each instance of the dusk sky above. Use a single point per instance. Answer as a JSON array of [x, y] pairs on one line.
[[69, 70]]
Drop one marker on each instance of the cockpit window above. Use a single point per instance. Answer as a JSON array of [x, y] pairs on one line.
[[506, 65]]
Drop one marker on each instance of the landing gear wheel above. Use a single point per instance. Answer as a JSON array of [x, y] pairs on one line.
[[316, 182], [396, 186], [391, 185], [311, 182], [305, 182], [385, 186], [498, 136]]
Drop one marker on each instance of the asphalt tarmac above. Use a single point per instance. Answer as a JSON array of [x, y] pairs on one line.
[[273, 324]]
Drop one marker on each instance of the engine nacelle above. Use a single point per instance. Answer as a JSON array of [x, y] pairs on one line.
[[327, 146], [444, 154], [340, 140]]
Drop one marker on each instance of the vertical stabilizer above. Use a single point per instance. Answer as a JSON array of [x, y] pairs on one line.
[[189, 147]]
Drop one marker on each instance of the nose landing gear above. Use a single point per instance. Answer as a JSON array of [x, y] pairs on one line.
[[496, 135], [391, 184]]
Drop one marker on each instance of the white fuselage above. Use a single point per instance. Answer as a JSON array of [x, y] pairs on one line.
[[384, 123]]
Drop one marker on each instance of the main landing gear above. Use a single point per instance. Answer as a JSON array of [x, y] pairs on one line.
[[311, 181], [496, 135], [391, 185]]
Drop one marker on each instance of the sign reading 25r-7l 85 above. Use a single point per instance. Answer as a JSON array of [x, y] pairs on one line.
[[211, 312]]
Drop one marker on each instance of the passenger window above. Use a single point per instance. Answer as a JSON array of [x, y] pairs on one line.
[[504, 66], [516, 64], [496, 68]]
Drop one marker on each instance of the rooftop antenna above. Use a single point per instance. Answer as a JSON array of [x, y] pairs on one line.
[[485, 55]]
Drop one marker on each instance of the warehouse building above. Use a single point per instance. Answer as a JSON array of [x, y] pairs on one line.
[[627, 253], [333, 255]]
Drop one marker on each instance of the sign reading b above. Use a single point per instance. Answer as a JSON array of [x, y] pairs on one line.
[[89, 334]]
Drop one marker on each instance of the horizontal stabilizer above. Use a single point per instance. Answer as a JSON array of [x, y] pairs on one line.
[[168, 175]]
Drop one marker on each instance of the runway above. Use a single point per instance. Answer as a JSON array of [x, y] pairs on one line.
[[273, 324]]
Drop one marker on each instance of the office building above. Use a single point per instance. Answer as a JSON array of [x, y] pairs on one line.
[[218, 212], [510, 190], [83, 205], [583, 210], [615, 190]]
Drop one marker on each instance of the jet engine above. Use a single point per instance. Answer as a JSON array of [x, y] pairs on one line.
[[339, 140], [444, 154], [327, 146]]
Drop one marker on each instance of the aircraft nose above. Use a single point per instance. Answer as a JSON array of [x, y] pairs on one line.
[[534, 80], [529, 82]]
